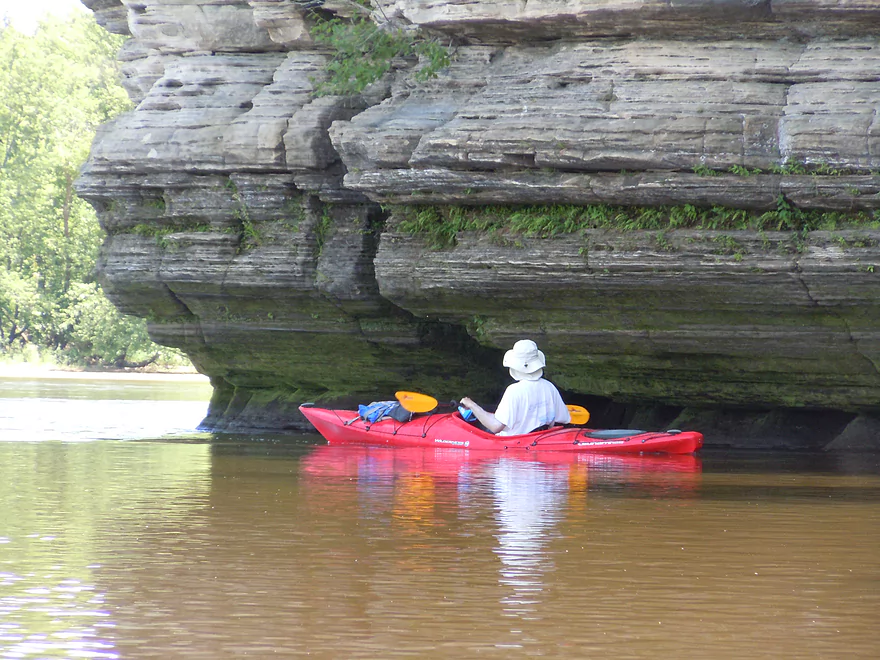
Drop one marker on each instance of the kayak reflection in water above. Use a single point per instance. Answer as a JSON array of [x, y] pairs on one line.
[[530, 403]]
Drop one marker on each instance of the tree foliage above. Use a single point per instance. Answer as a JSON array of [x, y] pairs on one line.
[[56, 87], [99, 333]]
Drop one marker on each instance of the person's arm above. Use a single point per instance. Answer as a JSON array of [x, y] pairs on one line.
[[486, 418]]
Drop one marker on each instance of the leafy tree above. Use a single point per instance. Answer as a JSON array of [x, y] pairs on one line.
[[22, 309], [56, 88], [99, 334]]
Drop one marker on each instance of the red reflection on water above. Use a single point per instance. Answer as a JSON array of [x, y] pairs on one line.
[[664, 472]]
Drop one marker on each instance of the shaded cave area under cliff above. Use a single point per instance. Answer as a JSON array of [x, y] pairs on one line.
[[271, 411], [282, 299]]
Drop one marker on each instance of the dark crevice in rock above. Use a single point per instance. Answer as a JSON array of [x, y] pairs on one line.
[[800, 278], [855, 344], [873, 366]]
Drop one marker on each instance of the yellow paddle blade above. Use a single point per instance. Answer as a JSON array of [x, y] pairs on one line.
[[415, 402], [579, 414]]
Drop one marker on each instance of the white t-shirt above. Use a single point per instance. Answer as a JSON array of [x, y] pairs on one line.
[[528, 404]]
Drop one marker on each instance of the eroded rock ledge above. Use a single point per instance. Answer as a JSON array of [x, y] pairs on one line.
[[244, 219]]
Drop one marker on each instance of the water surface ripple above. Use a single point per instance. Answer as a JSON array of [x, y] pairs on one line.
[[206, 546]]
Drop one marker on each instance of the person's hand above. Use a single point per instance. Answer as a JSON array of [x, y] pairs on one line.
[[487, 419]]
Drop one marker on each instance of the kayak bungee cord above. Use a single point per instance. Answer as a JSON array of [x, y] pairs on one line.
[[426, 428], [549, 433]]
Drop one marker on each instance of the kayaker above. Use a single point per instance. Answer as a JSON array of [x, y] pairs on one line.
[[529, 403]]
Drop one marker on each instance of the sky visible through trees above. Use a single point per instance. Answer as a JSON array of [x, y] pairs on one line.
[[24, 15]]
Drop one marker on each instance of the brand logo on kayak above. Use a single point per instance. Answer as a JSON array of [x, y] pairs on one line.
[[605, 442], [457, 443]]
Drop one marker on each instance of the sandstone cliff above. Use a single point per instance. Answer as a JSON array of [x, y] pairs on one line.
[[261, 227]]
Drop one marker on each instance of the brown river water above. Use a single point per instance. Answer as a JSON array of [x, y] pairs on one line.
[[125, 533]]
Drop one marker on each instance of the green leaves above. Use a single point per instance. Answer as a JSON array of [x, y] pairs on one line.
[[56, 88], [99, 334], [23, 311]]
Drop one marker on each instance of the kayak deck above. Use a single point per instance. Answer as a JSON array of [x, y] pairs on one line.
[[450, 430]]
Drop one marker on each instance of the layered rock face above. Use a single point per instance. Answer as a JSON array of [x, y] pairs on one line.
[[258, 226]]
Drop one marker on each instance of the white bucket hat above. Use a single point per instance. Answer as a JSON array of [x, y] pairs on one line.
[[525, 361]]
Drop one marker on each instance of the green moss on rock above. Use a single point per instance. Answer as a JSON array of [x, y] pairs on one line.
[[441, 224]]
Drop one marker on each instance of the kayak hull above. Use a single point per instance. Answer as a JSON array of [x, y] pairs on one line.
[[450, 430]]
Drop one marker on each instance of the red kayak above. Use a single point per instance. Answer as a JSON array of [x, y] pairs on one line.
[[450, 430]]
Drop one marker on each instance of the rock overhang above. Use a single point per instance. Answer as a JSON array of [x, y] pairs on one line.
[[271, 243]]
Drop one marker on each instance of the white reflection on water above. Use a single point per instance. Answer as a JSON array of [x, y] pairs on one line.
[[46, 615], [65, 513], [37, 420], [76, 408], [528, 502]]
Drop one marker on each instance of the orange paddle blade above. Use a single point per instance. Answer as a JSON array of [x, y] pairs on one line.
[[579, 414], [415, 402]]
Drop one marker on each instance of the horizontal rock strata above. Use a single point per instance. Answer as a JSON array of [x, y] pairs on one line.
[[244, 220], [572, 19], [631, 106], [677, 317]]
